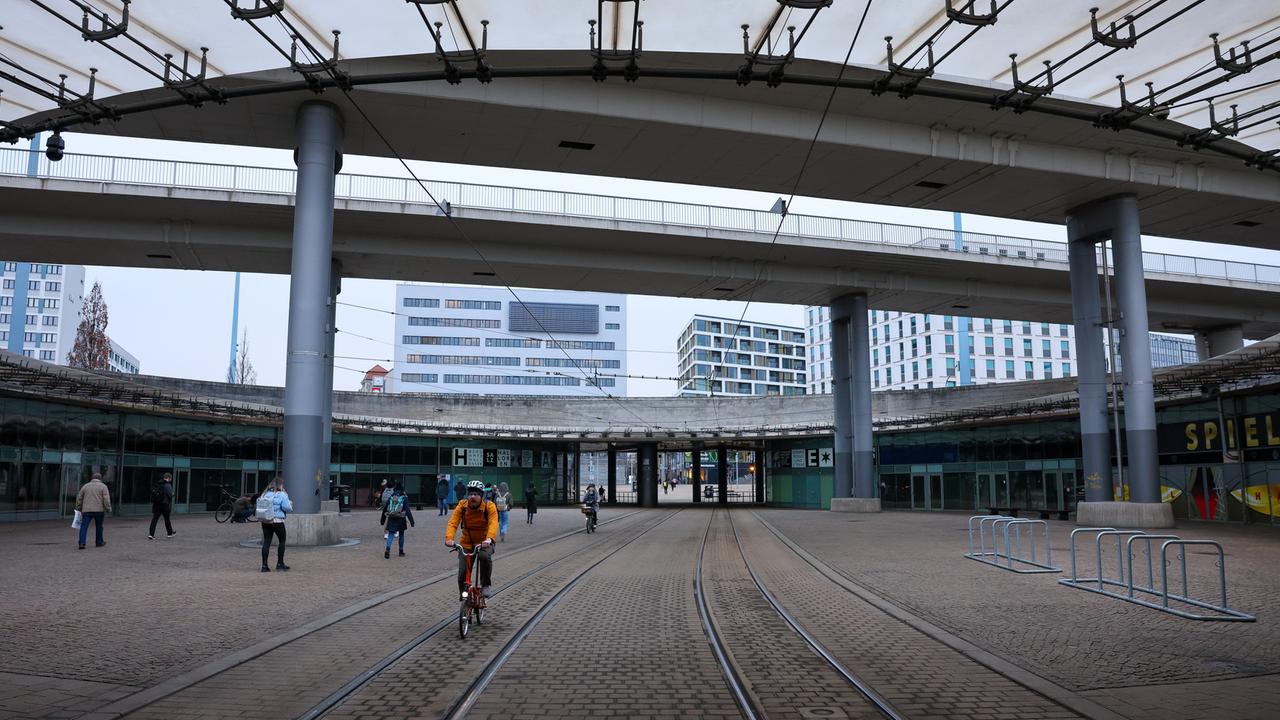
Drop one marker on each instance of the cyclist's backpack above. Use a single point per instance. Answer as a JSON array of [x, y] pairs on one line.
[[265, 509], [395, 506], [158, 495]]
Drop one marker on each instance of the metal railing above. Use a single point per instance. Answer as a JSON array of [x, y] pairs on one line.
[[703, 218], [1014, 557], [1132, 590]]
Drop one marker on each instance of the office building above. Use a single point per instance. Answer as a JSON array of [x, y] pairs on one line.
[[460, 339], [40, 311], [720, 356], [1168, 350]]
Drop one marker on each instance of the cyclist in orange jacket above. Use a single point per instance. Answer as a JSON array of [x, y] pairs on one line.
[[478, 520]]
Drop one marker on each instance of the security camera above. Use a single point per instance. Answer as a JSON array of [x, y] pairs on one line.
[[55, 147]]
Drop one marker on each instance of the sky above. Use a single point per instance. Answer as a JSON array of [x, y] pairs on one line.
[[178, 322]]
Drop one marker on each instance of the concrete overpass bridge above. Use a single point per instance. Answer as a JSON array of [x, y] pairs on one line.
[[782, 96], [141, 212]]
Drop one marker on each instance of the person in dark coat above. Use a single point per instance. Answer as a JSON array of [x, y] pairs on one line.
[[161, 506], [459, 492], [396, 515], [442, 495], [531, 502]]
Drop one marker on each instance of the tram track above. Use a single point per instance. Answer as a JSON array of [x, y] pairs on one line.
[[468, 698], [142, 704]]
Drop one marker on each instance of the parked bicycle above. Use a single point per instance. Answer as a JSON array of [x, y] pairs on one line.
[[472, 606], [227, 509]]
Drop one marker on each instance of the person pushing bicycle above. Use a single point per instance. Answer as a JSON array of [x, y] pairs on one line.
[[478, 520]]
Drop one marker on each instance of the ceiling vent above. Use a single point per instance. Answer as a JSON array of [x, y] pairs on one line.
[[575, 145], [931, 185], [1247, 223]]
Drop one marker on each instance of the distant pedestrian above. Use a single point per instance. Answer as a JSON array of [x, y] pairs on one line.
[[397, 515], [94, 502], [161, 506], [531, 502], [274, 504], [503, 501], [379, 495], [665, 484], [458, 492], [442, 495]]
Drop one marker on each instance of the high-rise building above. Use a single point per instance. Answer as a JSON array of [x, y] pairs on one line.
[[40, 311], [915, 350], [719, 356], [461, 339]]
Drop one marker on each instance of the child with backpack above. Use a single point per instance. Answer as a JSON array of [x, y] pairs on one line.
[[396, 515]]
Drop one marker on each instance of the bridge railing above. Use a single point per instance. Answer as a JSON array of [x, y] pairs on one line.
[[707, 218]]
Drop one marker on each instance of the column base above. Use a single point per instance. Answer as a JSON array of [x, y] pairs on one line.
[[1124, 515], [312, 530], [855, 505]]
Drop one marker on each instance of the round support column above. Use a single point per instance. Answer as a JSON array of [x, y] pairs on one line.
[[319, 132]]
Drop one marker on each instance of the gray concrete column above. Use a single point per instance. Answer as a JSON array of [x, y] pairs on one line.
[[1091, 370], [319, 136], [842, 394], [722, 475], [864, 466], [613, 474], [331, 332], [1219, 341], [647, 475], [1135, 351], [697, 473]]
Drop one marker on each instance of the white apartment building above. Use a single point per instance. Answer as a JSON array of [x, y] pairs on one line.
[[720, 356], [461, 339], [40, 311], [915, 350]]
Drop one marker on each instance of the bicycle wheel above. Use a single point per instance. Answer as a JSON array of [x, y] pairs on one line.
[[223, 513], [479, 616], [464, 620]]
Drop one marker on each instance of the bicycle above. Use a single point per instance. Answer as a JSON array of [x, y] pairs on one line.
[[591, 518], [227, 509], [472, 604]]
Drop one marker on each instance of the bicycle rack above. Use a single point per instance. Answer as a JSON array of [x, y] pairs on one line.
[[1014, 560], [1131, 590]]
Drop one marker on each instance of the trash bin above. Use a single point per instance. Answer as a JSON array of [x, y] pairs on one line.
[[343, 493]]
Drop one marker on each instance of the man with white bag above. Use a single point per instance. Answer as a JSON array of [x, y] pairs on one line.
[[94, 502]]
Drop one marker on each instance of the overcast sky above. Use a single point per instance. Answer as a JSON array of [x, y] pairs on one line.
[[178, 322]]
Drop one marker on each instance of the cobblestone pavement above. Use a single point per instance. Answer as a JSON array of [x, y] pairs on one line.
[[626, 642], [785, 676], [545, 677], [1113, 652], [136, 612]]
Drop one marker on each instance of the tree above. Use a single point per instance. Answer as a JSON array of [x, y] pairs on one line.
[[245, 374], [92, 348]]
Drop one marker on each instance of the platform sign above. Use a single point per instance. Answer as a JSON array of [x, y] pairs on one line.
[[782, 458], [798, 457], [490, 457], [468, 457], [504, 458], [826, 457]]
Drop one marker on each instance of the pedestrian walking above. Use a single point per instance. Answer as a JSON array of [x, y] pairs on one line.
[[94, 502], [503, 501], [396, 515], [458, 492], [531, 502], [442, 495], [161, 506], [273, 505], [379, 495]]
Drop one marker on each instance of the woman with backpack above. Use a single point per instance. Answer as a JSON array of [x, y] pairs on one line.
[[396, 515], [503, 501], [273, 504]]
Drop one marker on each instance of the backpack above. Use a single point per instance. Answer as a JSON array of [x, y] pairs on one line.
[[158, 495], [265, 509], [395, 506], [502, 503]]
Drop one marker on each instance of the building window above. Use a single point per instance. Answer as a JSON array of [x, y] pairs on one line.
[[1008, 347], [471, 304], [612, 308], [988, 346], [419, 377], [1008, 326], [33, 284], [48, 355], [948, 323], [1008, 369], [1062, 331], [928, 367], [1048, 370], [421, 302], [51, 320], [1026, 327], [513, 342], [991, 368], [1044, 329], [4, 336], [1066, 369], [53, 287], [1029, 370], [986, 325], [1045, 349], [580, 344], [11, 267], [613, 326], [455, 322], [1026, 347], [949, 343], [8, 284]]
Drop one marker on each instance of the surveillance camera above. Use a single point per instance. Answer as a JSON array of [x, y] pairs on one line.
[[55, 147]]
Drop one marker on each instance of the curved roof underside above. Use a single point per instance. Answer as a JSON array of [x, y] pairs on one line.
[[389, 60]]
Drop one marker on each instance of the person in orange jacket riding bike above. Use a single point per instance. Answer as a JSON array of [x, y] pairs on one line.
[[477, 518]]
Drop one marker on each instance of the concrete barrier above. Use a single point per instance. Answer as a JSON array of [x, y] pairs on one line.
[[313, 530], [1124, 514], [328, 506], [855, 505]]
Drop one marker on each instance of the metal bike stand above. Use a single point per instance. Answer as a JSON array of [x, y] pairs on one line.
[[1015, 560]]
